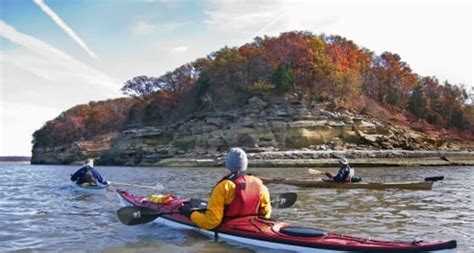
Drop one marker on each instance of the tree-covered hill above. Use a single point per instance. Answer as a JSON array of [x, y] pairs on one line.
[[329, 70]]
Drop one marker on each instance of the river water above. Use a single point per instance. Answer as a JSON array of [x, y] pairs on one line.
[[40, 211]]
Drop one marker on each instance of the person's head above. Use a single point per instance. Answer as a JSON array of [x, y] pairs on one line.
[[89, 162], [236, 160], [343, 161]]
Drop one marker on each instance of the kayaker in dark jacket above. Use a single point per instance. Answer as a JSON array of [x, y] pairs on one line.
[[237, 194], [87, 174], [344, 174]]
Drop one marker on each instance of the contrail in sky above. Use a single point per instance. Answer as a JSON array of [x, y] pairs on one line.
[[51, 55], [268, 25], [63, 26]]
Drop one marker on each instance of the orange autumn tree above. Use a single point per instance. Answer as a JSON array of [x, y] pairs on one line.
[[390, 80], [83, 122], [347, 65]]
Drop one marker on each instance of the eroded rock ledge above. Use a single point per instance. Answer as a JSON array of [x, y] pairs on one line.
[[280, 132]]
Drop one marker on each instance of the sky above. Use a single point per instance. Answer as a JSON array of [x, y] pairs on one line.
[[55, 54]]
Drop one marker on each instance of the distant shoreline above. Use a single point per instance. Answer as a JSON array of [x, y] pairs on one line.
[[296, 158], [15, 158]]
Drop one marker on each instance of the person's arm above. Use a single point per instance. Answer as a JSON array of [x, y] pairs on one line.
[[98, 176], [77, 174], [221, 195], [328, 175], [265, 210]]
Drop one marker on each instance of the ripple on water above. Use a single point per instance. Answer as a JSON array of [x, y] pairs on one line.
[[41, 211]]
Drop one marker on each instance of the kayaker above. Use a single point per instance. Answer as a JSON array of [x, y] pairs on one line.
[[88, 174], [237, 194], [345, 173]]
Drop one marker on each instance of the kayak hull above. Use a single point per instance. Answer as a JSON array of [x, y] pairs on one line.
[[91, 189], [426, 185], [271, 234]]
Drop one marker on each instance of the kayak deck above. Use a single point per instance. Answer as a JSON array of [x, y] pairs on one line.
[[279, 235], [94, 189], [318, 183]]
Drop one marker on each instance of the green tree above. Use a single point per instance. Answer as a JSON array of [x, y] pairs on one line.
[[418, 102], [283, 78]]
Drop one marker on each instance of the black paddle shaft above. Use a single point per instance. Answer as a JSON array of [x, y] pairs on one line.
[[135, 215], [434, 179]]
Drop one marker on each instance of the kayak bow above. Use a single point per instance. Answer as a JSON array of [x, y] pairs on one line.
[[271, 234]]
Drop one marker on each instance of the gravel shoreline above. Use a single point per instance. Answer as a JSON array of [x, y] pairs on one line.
[[327, 158]]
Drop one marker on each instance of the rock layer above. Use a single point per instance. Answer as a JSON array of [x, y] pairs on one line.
[[259, 127]]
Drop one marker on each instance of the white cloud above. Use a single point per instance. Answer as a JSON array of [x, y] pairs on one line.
[[168, 2], [37, 82], [64, 27], [181, 49], [241, 17], [259, 32], [250, 19], [431, 36], [145, 27], [18, 122], [50, 63]]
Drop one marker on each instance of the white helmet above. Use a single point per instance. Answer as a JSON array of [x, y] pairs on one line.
[[89, 162], [343, 161]]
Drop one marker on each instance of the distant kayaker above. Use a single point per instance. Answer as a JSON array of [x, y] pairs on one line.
[[345, 173], [88, 174], [237, 194]]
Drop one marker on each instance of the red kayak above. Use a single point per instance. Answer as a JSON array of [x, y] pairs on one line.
[[279, 235]]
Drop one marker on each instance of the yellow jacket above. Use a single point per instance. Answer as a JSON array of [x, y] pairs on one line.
[[222, 195]]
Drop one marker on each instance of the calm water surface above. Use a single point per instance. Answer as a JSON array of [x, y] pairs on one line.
[[41, 212]]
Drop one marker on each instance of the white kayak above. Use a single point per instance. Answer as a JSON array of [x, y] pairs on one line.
[[91, 189]]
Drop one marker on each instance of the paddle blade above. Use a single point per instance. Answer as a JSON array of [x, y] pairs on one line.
[[134, 215], [434, 179], [316, 172], [284, 200]]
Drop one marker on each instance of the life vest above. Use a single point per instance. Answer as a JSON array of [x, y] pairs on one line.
[[88, 177], [344, 175], [246, 201]]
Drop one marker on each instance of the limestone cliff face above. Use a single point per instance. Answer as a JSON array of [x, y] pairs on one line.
[[279, 124], [260, 126], [75, 153]]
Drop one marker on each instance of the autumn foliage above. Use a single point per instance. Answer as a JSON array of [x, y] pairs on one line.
[[320, 68], [83, 122]]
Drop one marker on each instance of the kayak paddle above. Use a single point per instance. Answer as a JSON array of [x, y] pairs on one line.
[[157, 187], [284, 200], [316, 172], [434, 179], [135, 215]]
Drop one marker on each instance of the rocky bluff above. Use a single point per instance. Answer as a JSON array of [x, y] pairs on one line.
[[277, 132]]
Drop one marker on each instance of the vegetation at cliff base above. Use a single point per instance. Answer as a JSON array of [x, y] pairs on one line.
[[326, 69]]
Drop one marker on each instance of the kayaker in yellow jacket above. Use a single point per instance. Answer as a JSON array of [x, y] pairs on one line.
[[237, 194]]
